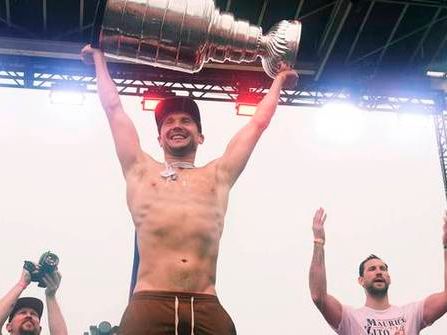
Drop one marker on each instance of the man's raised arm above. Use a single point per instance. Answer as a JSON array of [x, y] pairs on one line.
[[329, 307], [56, 321], [435, 305], [242, 144], [124, 133], [8, 301]]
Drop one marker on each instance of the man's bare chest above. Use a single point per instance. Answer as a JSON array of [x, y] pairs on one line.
[[187, 185]]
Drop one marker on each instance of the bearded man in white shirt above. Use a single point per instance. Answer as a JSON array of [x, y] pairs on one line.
[[377, 316]]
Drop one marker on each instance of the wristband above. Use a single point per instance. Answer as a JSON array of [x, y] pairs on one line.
[[319, 241]]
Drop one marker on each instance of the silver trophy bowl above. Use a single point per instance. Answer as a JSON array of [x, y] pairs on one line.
[[185, 34]]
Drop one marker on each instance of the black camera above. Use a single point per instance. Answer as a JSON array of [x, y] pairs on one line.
[[48, 263]]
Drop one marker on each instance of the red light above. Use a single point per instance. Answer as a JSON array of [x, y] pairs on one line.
[[246, 110], [247, 102], [153, 96], [149, 104]]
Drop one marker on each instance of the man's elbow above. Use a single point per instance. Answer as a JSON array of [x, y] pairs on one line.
[[318, 300], [113, 108], [109, 99], [444, 300], [261, 123]]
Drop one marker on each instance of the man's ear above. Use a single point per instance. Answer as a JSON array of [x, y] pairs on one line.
[[361, 281], [201, 138], [8, 327]]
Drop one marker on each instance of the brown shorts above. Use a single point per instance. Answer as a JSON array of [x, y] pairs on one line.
[[175, 313]]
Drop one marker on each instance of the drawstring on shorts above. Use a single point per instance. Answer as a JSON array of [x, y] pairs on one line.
[[192, 315], [176, 315], [176, 303]]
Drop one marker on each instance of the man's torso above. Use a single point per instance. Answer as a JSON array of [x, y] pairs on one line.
[[179, 222], [395, 320]]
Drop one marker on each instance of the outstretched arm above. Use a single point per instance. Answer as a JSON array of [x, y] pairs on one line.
[[242, 144], [8, 302], [124, 133], [435, 305], [329, 307], [56, 320]]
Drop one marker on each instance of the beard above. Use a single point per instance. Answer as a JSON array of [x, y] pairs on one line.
[[35, 330], [377, 292], [182, 151]]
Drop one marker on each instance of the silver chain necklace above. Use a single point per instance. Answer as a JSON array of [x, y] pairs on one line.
[[169, 172]]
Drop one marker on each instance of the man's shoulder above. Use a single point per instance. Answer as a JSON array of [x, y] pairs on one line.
[[214, 167], [211, 165], [412, 305], [145, 164], [391, 310]]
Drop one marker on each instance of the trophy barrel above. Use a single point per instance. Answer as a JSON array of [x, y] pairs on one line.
[[184, 34], [165, 33]]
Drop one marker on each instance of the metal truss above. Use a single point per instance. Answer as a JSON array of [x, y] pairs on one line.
[[336, 22], [422, 3], [45, 16], [426, 28], [441, 137], [429, 103]]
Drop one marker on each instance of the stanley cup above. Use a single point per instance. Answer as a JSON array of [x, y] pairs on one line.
[[184, 34]]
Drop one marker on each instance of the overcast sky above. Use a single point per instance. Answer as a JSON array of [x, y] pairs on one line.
[[377, 174]]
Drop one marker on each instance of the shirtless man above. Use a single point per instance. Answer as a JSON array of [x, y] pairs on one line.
[[178, 209]]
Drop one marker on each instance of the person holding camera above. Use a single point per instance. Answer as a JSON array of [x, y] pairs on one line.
[[23, 314]]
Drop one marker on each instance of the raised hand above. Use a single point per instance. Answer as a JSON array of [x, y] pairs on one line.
[[87, 54], [318, 225], [52, 280], [288, 77], [25, 278]]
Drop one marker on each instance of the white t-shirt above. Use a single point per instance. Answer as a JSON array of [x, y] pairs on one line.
[[390, 321]]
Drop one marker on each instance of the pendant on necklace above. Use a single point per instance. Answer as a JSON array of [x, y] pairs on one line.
[[170, 174]]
